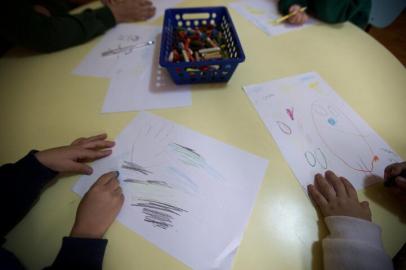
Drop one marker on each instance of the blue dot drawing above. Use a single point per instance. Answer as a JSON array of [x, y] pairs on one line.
[[332, 121]]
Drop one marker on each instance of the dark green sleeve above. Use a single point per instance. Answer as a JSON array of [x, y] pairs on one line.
[[284, 5], [24, 27], [336, 11]]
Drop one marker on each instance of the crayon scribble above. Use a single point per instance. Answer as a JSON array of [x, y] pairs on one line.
[[310, 158], [316, 157], [352, 133], [284, 128], [159, 214], [135, 167], [290, 113], [332, 121], [190, 157], [147, 182], [186, 183]]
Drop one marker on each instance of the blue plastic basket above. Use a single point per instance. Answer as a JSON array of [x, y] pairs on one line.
[[191, 17]]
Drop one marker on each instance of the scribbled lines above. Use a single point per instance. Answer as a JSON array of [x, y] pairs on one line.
[[316, 157], [290, 112], [147, 182], [135, 167], [285, 128], [159, 214], [331, 115], [190, 157]]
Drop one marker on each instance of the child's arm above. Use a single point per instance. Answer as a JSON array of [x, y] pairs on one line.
[[21, 184], [24, 26], [84, 249], [354, 241], [337, 11], [23, 181]]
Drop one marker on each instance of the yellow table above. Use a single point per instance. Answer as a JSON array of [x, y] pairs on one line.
[[44, 105]]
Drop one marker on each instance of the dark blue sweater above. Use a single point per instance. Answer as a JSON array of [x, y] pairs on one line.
[[21, 185]]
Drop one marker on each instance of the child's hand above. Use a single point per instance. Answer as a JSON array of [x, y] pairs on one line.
[[335, 196], [300, 17], [130, 10], [99, 207], [70, 159], [395, 170]]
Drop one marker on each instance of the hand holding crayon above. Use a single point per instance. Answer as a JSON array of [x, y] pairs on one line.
[[297, 15]]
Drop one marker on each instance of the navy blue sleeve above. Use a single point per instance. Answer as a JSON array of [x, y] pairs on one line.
[[21, 185], [80, 253]]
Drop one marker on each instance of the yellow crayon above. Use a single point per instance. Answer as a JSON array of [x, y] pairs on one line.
[[284, 18]]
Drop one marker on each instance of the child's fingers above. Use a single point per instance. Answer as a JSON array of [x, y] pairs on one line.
[[99, 144], [294, 8], [365, 205], [336, 183], [294, 19], [303, 17], [352, 193], [387, 171], [394, 169], [146, 3], [82, 140], [97, 137], [316, 196], [80, 168], [113, 184], [105, 178], [149, 12], [90, 155], [118, 191], [298, 18], [401, 183], [325, 188], [78, 141]]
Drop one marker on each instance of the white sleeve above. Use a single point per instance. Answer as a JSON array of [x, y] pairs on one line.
[[354, 244]]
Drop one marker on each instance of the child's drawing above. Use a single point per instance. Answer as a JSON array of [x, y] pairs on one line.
[[182, 189], [121, 48], [142, 84], [335, 129], [316, 130]]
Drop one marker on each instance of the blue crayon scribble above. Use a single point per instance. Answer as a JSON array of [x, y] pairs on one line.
[[332, 121], [187, 182]]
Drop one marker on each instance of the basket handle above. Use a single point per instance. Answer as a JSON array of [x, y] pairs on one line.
[[195, 16]]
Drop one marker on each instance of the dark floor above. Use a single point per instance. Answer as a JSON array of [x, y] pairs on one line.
[[393, 37]]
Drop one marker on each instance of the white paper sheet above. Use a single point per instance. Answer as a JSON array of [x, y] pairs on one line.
[[187, 193], [161, 5], [316, 130], [263, 13], [146, 86], [121, 36]]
